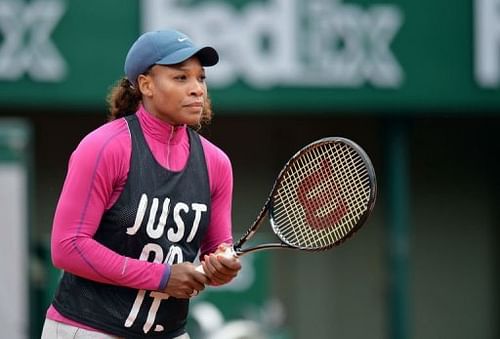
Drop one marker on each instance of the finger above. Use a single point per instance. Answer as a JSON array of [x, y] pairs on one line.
[[209, 268], [212, 271], [232, 264], [185, 294], [197, 286], [199, 280], [219, 273], [191, 292], [226, 266]]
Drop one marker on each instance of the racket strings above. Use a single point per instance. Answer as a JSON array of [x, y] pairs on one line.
[[300, 172], [357, 194], [289, 216], [337, 189], [336, 184]]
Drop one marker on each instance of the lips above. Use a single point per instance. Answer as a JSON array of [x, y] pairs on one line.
[[196, 104]]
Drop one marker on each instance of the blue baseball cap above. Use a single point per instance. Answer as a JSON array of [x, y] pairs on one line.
[[166, 47]]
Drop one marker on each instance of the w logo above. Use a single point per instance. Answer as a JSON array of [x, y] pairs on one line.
[[319, 196]]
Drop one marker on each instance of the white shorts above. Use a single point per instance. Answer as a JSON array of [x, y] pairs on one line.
[[56, 330]]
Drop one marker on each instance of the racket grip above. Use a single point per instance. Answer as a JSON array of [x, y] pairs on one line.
[[228, 253]]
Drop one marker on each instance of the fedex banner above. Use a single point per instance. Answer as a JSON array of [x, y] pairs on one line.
[[366, 55], [313, 43]]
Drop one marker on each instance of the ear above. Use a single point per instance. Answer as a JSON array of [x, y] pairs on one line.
[[145, 84]]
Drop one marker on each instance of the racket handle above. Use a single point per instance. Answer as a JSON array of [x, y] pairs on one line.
[[228, 253]]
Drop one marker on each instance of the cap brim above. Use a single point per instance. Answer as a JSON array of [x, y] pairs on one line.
[[208, 56]]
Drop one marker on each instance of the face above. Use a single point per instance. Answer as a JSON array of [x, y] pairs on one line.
[[175, 93]]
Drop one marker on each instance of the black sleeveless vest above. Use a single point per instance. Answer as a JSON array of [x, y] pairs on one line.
[[160, 216]]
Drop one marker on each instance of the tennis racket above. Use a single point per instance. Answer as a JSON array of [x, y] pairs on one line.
[[321, 197]]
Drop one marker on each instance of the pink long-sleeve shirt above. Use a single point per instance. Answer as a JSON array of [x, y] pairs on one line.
[[96, 177]]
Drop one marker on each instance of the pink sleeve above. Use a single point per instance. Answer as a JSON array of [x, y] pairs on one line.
[[98, 165], [221, 187]]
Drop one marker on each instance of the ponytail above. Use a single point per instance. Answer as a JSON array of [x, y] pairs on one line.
[[123, 99]]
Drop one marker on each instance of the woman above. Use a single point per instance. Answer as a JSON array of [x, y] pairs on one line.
[[144, 194]]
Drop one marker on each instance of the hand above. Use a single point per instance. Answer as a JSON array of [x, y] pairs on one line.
[[185, 281], [220, 269]]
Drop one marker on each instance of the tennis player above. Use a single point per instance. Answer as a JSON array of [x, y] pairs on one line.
[[144, 195]]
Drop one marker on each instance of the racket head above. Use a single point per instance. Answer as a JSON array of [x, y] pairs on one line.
[[323, 195]]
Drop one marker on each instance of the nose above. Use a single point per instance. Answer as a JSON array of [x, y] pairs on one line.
[[197, 88]]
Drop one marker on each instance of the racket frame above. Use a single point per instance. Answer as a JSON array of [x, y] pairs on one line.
[[267, 208]]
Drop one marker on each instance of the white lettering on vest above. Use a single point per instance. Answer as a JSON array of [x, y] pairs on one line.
[[174, 255]]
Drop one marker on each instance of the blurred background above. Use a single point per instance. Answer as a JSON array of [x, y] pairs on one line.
[[415, 83]]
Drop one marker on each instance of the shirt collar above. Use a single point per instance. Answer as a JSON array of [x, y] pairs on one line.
[[158, 129]]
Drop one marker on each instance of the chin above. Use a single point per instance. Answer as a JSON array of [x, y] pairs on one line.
[[194, 121]]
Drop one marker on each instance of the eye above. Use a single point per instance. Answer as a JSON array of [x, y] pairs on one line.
[[180, 77], [202, 78]]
